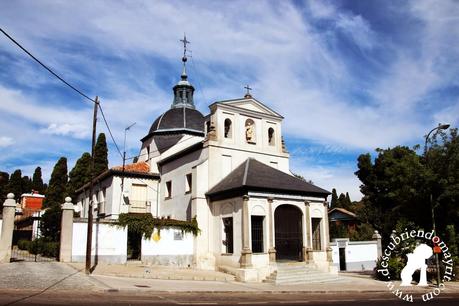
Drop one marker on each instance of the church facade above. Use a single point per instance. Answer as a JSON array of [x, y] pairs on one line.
[[229, 170]]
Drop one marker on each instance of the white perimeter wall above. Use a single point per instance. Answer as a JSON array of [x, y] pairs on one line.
[[360, 255], [173, 248], [110, 240]]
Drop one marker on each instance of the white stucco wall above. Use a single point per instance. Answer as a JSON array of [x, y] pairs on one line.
[[360, 255], [109, 242], [169, 249]]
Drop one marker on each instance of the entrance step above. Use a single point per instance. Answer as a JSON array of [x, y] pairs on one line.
[[133, 262], [299, 273]]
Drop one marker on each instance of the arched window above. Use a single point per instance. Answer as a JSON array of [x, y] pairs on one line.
[[228, 129], [250, 131], [271, 139]]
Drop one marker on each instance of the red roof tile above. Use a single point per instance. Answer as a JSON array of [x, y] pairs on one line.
[[141, 167]]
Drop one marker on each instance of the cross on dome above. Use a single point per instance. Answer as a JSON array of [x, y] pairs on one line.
[[247, 94]]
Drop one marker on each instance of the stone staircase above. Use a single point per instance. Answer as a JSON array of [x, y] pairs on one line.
[[299, 273]]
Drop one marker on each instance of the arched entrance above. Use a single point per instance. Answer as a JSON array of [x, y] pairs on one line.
[[288, 232]]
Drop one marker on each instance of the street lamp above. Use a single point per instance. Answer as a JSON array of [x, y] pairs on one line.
[[432, 206]]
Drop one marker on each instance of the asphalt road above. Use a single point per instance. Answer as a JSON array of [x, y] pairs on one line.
[[31, 297]]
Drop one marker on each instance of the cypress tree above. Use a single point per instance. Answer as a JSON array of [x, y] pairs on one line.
[[80, 174], [100, 155], [50, 224], [4, 179], [348, 200], [37, 181], [26, 184], [15, 184], [334, 199], [342, 201], [56, 192]]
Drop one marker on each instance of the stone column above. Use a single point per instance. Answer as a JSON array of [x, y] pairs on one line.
[[6, 239], [272, 249], [376, 236], [65, 253], [328, 249], [307, 249], [246, 253]]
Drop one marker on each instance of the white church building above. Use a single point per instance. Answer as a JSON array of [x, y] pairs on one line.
[[230, 170]]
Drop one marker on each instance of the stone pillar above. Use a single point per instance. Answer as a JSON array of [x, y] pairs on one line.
[[272, 249], [246, 253], [65, 253], [376, 236], [328, 249], [307, 249], [6, 238]]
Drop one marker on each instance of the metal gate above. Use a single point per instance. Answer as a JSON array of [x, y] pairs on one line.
[[288, 232]]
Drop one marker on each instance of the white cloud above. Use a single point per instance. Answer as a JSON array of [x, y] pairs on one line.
[[6, 141], [340, 177], [292, 66]]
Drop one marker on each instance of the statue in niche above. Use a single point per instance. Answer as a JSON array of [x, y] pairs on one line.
[[250, 131]]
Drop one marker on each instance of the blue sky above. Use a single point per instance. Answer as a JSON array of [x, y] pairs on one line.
[[348, 76]]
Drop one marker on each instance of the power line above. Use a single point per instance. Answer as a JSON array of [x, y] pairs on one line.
[[46, 67], [66, 83], [110, 132]]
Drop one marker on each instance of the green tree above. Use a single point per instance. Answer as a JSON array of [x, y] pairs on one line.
[[80, 174], [37, 181], [334, 199], [50, 223], [348, 200], [100, 155], [442, 161], [15, 184], [342, 201], [393, 187], [51, 219], [26, 184], [56, 192], [4, 179]]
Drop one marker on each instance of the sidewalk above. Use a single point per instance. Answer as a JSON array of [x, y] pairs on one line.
[[139, 270], [164, 279]]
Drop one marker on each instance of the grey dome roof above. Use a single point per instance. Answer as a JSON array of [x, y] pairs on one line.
[[179, 120]]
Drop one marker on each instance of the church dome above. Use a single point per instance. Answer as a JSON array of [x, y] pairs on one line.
[[179, 120]]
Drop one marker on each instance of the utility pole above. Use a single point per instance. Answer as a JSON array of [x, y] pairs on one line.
[[91, 186]]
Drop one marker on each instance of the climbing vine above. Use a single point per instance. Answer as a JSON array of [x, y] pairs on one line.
[[145, 224]]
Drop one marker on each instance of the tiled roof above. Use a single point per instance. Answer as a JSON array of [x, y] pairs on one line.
[[141, 167], [253, 175], [344, 211]]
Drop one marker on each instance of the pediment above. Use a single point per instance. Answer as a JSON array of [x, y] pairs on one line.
[[252, 105]]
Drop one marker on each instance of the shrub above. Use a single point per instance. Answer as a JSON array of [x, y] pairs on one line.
[[35, 247], [50, 249], [394, 268], [23, 244]]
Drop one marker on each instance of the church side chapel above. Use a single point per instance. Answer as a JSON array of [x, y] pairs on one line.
[[229, 170]]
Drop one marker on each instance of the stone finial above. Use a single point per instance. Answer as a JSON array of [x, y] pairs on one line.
[[376, 235], [68, 204], [10, 195]]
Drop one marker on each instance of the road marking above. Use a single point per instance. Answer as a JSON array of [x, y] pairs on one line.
[[196, 303], [253, 303], [294, 302]]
